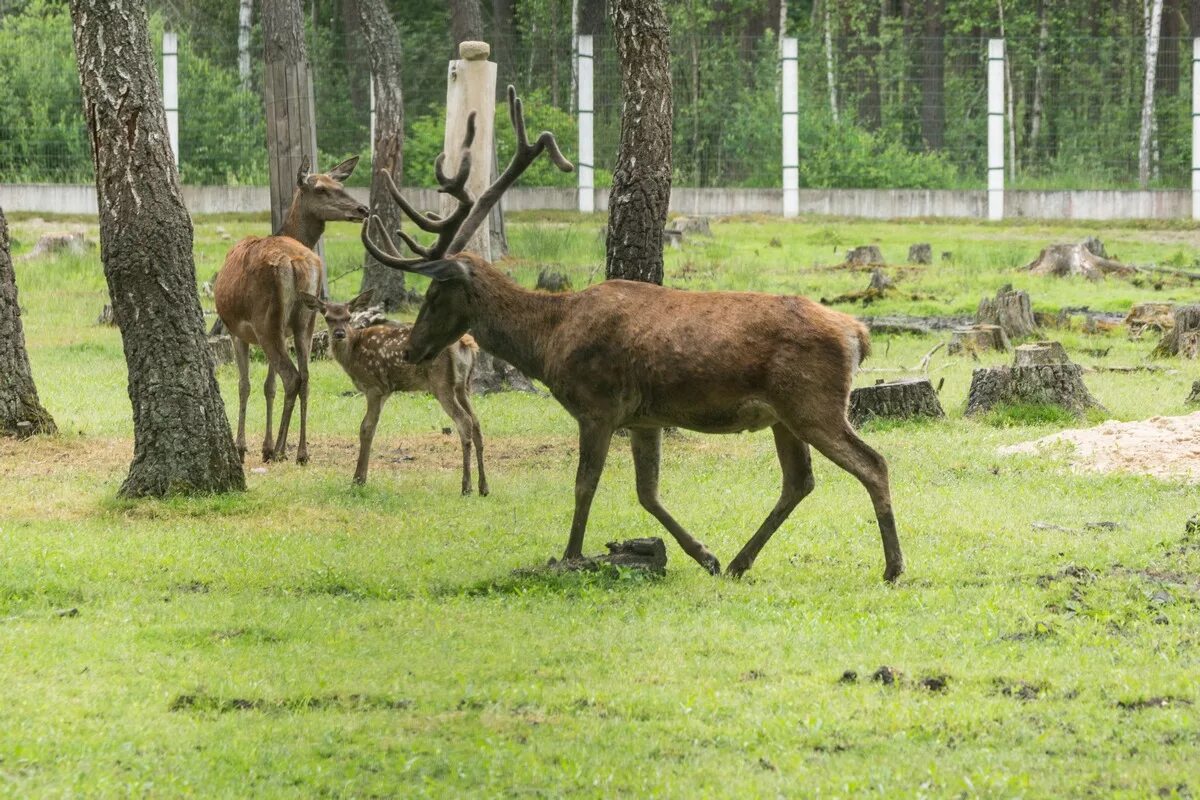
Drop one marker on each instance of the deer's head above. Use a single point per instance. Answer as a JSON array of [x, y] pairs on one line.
[[321, 195], [446, 313], [337, 315]]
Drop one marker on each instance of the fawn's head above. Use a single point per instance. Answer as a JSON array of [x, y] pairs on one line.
[[321, 195], [337, 315]]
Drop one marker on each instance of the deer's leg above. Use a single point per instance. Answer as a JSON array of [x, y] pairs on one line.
[[647, 450], [842, 446], [464, 400], [277, 356], [594, 439], [241, 353], [462, 424], [366, 435], [268, 448], [796, 462], [303, 338]]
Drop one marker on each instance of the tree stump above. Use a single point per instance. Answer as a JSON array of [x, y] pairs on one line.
[[912, 397], [648, 554], [550, 280], [673, 239], [1182, 338], [221, 348], [1194, 397], [1145, 316], [105, 317], [876, 289], [49, 244], [978, 339], [320, 346], [699, 226], [495, 375], [1009, 309], [1063, 260], [867, 255], [920, 253], [1042, 375]]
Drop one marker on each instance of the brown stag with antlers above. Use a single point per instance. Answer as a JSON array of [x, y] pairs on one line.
[[257, 294], [644, 357]]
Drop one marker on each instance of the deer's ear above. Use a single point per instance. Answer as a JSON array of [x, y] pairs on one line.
[[302, 173], [363, 301], [312, 301], [343, 170], [444, 270]]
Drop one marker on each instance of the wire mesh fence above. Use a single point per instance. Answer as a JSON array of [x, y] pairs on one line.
[[885, 111]]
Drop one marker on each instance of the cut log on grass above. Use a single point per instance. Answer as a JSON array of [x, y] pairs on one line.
[[1009, 309], [1159, 317], [914, 397], [1183, 339], [867, 255], [976, 339], [221, 348], [920, 253], [105, 317], [1037, 379], [649, 554], [699, 226], [495, 375], [49, 244], [1194, 397], [1065, 260], [876, 289]]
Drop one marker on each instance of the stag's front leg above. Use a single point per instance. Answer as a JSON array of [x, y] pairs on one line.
[[647, 452], [594, 439]]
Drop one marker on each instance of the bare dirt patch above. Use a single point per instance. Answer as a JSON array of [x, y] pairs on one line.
[[1162, 447]]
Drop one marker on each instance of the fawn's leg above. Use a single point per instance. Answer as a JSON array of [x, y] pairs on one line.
[[462, 424], [464, 400], [366, 435]]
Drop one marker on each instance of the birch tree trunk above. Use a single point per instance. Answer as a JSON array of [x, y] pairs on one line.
[[1039, 77], [830, 78], [245, 15], [1008, 91], [641, 188], [383, 46], [21, 412], [1153, 26], [182, 441]]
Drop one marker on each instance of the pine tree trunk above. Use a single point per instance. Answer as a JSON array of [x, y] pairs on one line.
[[641, 190], [21, 412], [383, 47], [182, 441]]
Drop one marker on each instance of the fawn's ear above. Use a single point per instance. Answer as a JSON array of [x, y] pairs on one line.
[[302, 173], [363, 301], [444, 270], [312, 301], [343, 170]]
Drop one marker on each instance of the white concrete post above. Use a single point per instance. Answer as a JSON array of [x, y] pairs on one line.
[[170, 89], [1195, 128], [995, 130], [471, 86], [587, 174], [791, 127]]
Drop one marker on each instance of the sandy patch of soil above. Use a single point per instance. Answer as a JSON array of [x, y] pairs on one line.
[[1163, 447]]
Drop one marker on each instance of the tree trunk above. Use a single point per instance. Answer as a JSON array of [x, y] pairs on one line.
[[383, 46], [182, 441], [1008, 93], [1153, 27], [466, 24], [1183, 339], [245, 18], [933, 70], [1041, 375], [504, 34], [641, 190], [911, 397], [830, 76], [21, 412], [1039, 81]]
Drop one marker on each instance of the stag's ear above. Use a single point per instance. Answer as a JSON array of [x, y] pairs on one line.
[[302, 174], [444, 270], [343, 170], [363, 301], [312, 301]]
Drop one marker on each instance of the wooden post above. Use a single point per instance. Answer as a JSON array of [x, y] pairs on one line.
[[471, 86], [791, 128], [170, 89], [587, 179], [995, 130]]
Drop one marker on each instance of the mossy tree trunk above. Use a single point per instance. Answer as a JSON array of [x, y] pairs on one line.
[[21, 413], [182, 441]]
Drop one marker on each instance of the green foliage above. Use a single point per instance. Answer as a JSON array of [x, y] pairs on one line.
[[833, 156], [1014, 415]]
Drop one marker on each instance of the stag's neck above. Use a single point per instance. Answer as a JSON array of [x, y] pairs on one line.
[[304, 228], [516, 324]]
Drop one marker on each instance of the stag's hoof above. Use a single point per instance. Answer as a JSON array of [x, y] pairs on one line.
[[711, 564], [359, 480], [302, 458], [484, 490], [893, 571], [738, 567], [466, 491]]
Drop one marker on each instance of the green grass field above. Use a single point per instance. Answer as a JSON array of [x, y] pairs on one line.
[[307, 638]]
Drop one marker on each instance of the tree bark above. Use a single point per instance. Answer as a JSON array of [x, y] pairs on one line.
[[383, 46], [245, 17], [830, 77], [504, 34], [466, 24], [182, 441], [641, 189], [910, 397], [21, 413], [1039, 80], [1153, 27]]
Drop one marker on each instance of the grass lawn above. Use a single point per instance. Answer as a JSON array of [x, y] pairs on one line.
[[307, 638]]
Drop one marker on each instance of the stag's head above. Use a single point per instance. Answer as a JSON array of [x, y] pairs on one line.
[[337, 315], [321, 195]]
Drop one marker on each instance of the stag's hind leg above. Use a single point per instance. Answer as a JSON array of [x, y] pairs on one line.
[[241, 353], [840, 444], [796, 462], [268, 447], [277, 357], [647, 450]]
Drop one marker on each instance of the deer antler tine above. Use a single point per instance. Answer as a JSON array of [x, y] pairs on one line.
[[391, 259], [412, 244], [469, 138], [416, 216], [518, 119], [546, 140]]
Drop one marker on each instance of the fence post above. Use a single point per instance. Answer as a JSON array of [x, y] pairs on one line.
[[587, 174], [995, 130], [170, 89], [1195, 128], [471, 86], [791, 128]]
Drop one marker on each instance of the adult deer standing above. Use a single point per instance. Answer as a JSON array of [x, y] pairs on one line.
[[258, 291], [643, 357]]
